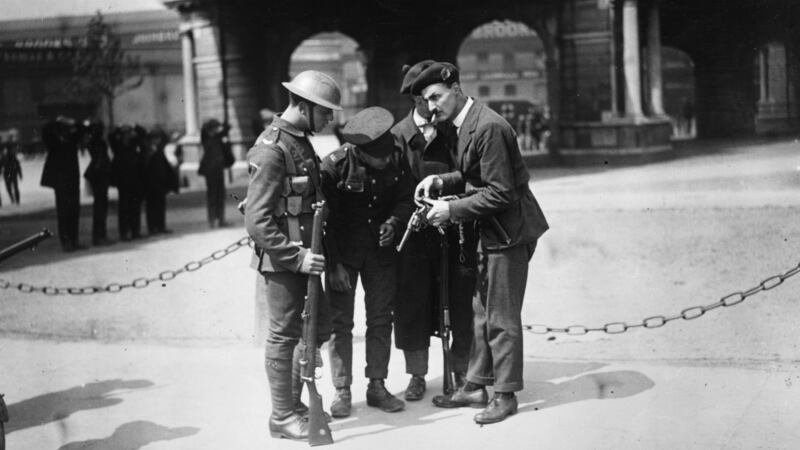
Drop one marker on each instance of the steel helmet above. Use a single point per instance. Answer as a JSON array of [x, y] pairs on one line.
[[316, 87]]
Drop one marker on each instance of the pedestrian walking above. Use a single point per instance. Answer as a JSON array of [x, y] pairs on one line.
[[492, 173], [429, 148], [217, 156], [284, 184], [61, 173], [98, 174], [369, 191]]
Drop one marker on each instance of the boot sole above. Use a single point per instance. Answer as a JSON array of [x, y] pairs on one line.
[[279, 435]]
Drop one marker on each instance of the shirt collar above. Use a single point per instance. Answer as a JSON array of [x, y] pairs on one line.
[[459, 120]]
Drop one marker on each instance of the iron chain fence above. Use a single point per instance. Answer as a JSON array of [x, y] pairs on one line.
[[659, 321], [138, 283]]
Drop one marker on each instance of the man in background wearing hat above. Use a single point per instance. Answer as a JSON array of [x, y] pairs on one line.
[[369, 191], [284, 184], [491, 170], [429, 148]]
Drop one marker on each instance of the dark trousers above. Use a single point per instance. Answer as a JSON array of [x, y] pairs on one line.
[[99, 210], [68, 210], [129, 211], [12, 187], [380, 283], [215, 196], [496, 357], [417, 306], [285, 292], [156, 211]]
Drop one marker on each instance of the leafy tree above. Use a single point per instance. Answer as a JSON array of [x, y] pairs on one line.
[[101, 69]]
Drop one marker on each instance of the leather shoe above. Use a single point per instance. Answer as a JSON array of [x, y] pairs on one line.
[[379, 397], [416, 388], [292, 426], [460, 398], [342, 402], [498, 409]]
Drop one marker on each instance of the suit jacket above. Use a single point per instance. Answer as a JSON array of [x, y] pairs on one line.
[[490, 168]]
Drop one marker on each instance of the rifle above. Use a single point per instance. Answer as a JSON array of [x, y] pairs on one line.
[[24, 244], [449, 378], [6, 253], [318, 431]]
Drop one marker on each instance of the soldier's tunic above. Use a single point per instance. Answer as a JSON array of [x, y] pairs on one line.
[[490, 165], [417, 302], [361, 199], [284, 180]]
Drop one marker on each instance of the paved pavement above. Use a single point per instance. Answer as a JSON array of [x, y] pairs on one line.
[[171, 366]]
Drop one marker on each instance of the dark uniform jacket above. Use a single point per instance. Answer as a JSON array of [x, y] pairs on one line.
[[61, 169], [352, 228], [284, 175], [490, 167]]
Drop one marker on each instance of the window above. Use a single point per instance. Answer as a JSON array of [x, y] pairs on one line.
[[483, 91], [509, 61], [483, 57], [510, 90]]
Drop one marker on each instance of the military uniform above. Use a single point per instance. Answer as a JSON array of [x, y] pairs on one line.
[[284, 180], [416, 305], [361, 199]]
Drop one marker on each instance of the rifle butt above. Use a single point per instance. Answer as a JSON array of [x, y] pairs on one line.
[[318, 431]]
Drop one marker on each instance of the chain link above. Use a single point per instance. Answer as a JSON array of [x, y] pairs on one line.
[[138, 283], [653, 322]]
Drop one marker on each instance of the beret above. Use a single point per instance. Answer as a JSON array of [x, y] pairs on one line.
[[436, 72], [369, 130], [411, 73]]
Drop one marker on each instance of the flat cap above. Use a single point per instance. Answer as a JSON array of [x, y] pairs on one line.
[[436, 72], [411, 73], [368, 130]]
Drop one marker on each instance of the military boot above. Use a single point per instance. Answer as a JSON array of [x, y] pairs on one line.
[[284, 421], [342, 402], [379, 397]]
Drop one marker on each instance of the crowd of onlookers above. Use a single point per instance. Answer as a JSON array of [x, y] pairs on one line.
[[137, 165]]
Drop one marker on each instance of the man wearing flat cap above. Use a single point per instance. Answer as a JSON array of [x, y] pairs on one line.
[[370, 195], [494, 177], [429, 148]]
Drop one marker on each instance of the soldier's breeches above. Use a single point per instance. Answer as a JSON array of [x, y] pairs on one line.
[[379, 283], [285, 293], [496, 357]]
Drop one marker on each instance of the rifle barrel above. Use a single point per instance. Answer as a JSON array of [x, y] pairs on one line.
[[24, 244]]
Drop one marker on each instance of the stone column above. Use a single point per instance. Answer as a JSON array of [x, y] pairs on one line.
[[189, 80], [654, 59], [763, 71], [631, 59]]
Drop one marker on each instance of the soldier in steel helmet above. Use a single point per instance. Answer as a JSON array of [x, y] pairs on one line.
[[284, 184], [370, 194]]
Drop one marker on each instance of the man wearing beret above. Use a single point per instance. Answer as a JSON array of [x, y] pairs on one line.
[[491, 171], [429, 148], [284, 184], [370, 194]]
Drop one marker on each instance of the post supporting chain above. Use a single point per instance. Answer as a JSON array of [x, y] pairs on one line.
[[138, 283]]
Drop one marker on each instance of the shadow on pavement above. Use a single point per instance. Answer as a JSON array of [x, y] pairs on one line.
[[132, 436], [59, 405], [581, 382]]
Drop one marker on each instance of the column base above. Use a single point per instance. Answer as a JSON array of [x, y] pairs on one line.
[[620, 140]]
